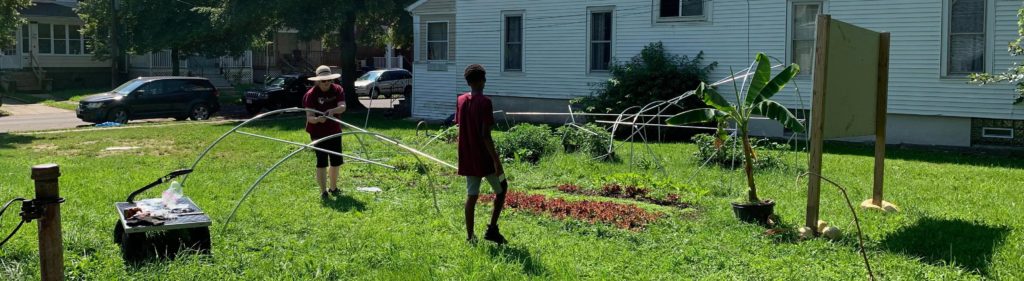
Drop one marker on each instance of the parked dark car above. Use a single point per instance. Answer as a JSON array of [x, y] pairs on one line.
[[283, 91], [152, 97]]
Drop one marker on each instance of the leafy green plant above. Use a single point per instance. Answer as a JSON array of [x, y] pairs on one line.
[[1014, 74], [767, 154], [590, 139], [762, 86], [525, 142], [654, 74]]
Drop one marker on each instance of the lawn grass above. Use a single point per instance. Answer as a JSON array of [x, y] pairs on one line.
[[959, 218], [65, 99]]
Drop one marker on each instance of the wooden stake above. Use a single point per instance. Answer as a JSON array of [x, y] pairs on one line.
[[817, 127], [51, 248], [881, 108]]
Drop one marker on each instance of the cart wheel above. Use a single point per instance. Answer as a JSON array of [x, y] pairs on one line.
[[134, 248], [118, 232], [200, 239]]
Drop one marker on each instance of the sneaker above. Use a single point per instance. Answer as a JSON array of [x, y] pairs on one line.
[[324, 196], [335, 191], [494, 235]]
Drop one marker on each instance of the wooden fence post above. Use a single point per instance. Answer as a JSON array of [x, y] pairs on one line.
[[51, 248]]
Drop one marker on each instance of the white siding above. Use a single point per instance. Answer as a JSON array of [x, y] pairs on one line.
[[555, 48], [434, 92]]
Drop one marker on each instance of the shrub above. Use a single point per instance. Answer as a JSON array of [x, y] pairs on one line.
[[525, 142], [448, 134], [730, 151], [654, 74], [591, 139]]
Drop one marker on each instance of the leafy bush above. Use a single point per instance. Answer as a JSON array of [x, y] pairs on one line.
[[729, 153], [569, 188], [654, 74], [591, 139], [525, 142], [448, 134]]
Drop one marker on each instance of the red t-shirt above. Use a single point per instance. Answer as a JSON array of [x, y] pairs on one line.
[[322, 101], [472, 113]]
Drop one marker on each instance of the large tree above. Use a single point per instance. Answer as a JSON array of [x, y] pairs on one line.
[[334, 21], [145, 26], [11, 19]]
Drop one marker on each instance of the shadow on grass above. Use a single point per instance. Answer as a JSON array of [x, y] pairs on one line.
[[8, 141], [968, 245], [344, 203], [518, 254]]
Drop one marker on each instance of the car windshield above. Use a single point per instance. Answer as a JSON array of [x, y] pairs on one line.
[[372, 75], [277, 82], [128, 87]]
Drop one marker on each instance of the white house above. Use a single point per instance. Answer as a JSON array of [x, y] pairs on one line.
[[50, 45], [540, 54]]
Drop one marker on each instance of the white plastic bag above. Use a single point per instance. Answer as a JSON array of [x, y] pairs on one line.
[[171, 195]]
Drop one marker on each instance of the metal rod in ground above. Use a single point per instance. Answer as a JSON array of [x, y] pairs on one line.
[[51, 248]]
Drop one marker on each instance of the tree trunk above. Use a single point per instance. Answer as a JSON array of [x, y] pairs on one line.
[[347, 32], [114, 51], [175, 62], [748, 151]]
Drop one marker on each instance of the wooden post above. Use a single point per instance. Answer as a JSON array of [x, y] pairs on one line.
[[877, 202], [817, 127], [51, 249]]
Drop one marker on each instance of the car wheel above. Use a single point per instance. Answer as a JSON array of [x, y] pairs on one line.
[[374, 93], [252, 109], [200, 111], [118, 115]]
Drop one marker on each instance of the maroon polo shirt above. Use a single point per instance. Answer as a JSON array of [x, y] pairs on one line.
[[472, 114], [322, 101]]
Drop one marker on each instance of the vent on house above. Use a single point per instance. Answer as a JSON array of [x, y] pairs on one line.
[[998, 133]]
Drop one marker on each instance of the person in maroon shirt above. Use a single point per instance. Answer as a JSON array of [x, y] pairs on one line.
[[477, 157], [328, 98]]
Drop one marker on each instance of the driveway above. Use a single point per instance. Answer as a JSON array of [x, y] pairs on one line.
[[35, 117]]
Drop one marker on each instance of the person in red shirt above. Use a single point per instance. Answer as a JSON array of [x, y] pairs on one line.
[[328, 98], [477, 157]]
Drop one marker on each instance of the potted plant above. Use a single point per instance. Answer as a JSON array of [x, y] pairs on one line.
[[757, 101]]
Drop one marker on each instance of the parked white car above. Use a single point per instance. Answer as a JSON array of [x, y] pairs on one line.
[[384, 83]]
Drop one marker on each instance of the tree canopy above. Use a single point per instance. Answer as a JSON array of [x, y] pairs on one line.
[[11, 19]]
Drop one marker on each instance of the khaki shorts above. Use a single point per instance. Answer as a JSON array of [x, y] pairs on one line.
[[473, 184]]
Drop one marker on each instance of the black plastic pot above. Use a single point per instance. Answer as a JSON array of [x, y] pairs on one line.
[[754, 212]]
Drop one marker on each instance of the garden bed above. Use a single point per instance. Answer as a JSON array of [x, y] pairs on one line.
[[624, 216]]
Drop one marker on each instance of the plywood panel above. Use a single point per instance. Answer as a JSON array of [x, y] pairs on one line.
[[852, 86]]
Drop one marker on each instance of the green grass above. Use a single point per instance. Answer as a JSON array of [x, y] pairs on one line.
[[65, 99], [959, 221]]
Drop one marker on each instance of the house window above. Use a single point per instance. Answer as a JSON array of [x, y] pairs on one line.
[[45, 39], [966, 40], [59, 39], [600, 40], [12, 49], [802, 32], [25, 47], [514, 43], [75, 43], [681, 10], [997, 133], [437, 41]]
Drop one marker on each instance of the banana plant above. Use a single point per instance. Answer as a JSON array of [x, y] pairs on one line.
[[757, 101]]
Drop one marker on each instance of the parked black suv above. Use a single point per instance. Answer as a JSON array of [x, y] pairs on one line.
[[152, 97], [283, 91]]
